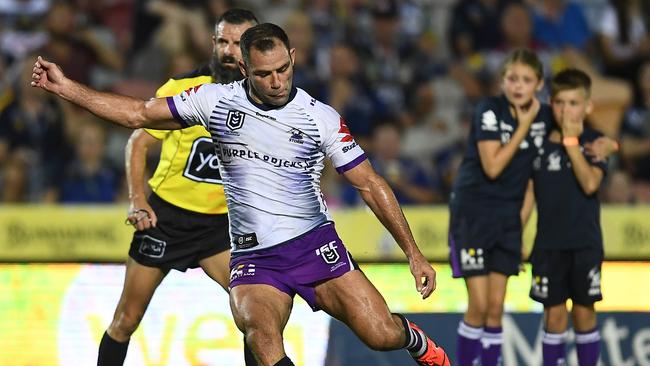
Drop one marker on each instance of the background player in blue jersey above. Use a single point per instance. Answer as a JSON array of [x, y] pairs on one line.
[[184, 223], [485, 229], [568, 250], [272, 139]]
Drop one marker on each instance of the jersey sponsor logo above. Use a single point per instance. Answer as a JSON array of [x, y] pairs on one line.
[[343, 129], [505, 137], [242, 270], [151, 247], [537, 132], [265, 116], [226, 155], [202, 163], [554, 162], [235, 119], [471, 259], [328, 252], [539, 287], [296, 136], [594, 282], [245, 241], [489, 121], [349, 147], [523, 145]]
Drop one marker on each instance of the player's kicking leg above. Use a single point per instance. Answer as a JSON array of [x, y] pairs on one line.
[[261, 312], [354, 300], [216, 267], [140, 283]]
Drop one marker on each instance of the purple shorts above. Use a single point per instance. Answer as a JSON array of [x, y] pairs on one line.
[[296, 266]]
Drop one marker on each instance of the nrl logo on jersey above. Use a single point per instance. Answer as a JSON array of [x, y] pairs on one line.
[[235, 120]]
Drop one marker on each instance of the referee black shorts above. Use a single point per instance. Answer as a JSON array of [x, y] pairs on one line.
[[180, 239]]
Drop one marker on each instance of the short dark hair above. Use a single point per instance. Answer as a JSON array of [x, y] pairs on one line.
[[262, 37], [526, 57], [569, 79], [237, 16]]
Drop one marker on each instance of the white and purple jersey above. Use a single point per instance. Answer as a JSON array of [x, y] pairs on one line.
[[271, 158]]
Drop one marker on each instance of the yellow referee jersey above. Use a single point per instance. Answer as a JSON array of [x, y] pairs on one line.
[[187, 175]]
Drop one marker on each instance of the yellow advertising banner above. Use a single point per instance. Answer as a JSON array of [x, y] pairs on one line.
[[98, 233], [626, 233], [64, 233]]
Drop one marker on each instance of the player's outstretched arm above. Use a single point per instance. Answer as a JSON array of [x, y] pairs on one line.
[[122, 110], [380, 198]]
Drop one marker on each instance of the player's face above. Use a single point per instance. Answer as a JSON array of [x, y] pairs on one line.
[[571, 105], [520, 83], [226, 53], [270, 74]]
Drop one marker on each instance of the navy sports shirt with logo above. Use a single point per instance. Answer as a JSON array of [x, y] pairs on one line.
[[473, 190], [567, 218], [271, 158]]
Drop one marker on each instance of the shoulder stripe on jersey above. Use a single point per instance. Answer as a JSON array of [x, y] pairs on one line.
[[172, 108], [358, 160]]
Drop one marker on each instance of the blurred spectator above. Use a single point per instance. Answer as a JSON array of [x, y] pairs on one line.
[[558, 24], [301, 35], [19, 27], [164, 29], [624, 38], [409, 182], [434, 141], [76, 48], [89, 178], [33, 143], [387, 58], [517, 32], [474, 26], [618, 189], [348, 92], [635, 136]]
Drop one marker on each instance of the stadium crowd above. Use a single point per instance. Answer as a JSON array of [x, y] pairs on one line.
[[404, 74]]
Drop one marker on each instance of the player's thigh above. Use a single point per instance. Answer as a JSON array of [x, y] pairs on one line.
[[260, 307], [140, 283], [217, 267], [354, 300]]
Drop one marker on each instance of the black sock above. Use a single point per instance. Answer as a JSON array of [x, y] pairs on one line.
[[286, 361], [111, 352], [249, 358]]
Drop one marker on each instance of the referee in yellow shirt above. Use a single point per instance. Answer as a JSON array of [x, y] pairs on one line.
[[184, 222]]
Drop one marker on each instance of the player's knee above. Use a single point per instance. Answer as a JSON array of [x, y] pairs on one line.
[[494, 311], [126, 322], [477, 313], [386, 336], [555, 324]]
